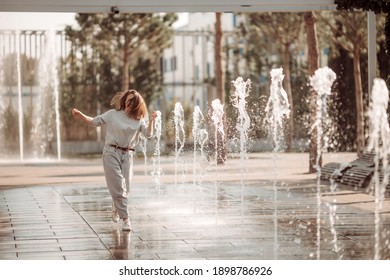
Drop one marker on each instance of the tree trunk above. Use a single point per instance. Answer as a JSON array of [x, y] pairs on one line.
[[126, 74], [287, 82], [218, 58], [359, 102], [219, 83], [313, 61], [126, 61]]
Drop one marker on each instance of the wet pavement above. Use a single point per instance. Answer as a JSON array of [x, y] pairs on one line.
[[264, 207]]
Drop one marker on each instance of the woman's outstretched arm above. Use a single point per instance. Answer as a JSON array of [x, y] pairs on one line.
[[151, 122], [79, 115]]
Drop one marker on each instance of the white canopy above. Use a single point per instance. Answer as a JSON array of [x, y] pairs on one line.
[[127, 6], [148, 6]]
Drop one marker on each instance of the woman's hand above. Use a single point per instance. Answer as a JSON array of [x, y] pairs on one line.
[[154, 116], [76, 113], [79, 115]]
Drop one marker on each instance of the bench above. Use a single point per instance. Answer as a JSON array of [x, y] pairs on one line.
[[356, 174]]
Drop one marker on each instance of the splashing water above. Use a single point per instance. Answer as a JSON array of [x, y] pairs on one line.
[[322, 82], [241, 92], [2, 108], [20, 107], [217, 119], [379, 142], [200, 136], [157, 151], [277, 110], [47, 124], [143, 144], [179, 133], [332, 217], [242, 89]]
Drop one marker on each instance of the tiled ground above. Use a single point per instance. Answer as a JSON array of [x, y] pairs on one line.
[[62, 211]]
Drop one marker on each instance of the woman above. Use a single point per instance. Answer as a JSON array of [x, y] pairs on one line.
[[124, 125]]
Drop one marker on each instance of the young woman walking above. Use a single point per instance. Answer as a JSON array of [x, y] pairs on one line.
[[124, 125]]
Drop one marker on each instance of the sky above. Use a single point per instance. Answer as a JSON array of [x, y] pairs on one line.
[[24, 20], [44, 21]]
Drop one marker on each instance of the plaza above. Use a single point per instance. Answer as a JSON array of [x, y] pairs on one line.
[[263, 207], [266, 206]]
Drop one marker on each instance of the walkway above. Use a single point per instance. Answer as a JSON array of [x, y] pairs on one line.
[[260, 208]]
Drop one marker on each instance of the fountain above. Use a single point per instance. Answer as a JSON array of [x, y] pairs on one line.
[[46, 117], [157, 151], [178, 119], [2, 108], [332, 218], [241, 92], [242, 89], [47, 121], [379, 143], [277, 110], [200, 136], [143, 144], [321, 81], [217, 119], [20, 108]]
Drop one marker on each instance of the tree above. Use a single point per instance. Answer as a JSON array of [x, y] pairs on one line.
[[219, 84], [313, 62], [383, 56], [281, 30], [123, 38], [376, 6], [111, 53], [350, 32]]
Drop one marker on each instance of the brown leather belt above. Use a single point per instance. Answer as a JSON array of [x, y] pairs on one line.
[[122, 148]]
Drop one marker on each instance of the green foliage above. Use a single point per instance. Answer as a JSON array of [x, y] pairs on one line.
[[28, 66], [267, 36], [111, 53], [169, 123], [10, 129], [147, 79], [343, 98], [28, 124], [376, 6]]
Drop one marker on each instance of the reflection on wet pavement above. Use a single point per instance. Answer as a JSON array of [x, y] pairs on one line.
[[224, 220]]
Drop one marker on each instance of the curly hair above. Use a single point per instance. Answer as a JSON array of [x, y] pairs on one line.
[[135, 107]]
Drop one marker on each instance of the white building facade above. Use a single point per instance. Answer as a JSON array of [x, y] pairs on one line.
[[188, 65]]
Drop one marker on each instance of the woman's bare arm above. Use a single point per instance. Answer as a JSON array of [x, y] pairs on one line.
[[151, 122], [79, 115]]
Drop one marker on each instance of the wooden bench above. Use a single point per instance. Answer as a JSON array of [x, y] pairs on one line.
[[332, 170], [356, 174]]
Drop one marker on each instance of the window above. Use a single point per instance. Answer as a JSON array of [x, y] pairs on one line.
[[173, 63], [196, 74]]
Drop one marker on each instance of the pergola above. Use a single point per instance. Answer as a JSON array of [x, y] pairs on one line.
[[150, 6]]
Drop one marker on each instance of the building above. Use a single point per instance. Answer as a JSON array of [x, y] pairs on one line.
[[188, 65]]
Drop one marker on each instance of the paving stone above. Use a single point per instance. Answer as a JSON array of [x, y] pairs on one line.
[[224, 216]]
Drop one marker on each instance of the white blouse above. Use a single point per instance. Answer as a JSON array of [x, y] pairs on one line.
[[120, 129]]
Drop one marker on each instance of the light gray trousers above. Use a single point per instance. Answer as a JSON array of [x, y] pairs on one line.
[[118, 170]]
